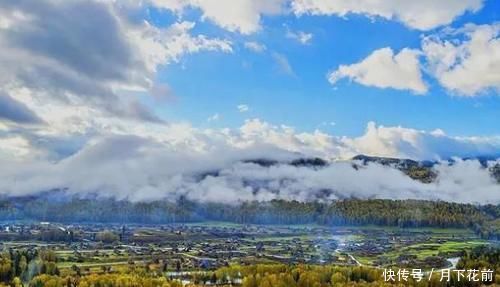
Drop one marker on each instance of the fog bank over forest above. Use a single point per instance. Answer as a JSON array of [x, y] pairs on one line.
[[134, 169]]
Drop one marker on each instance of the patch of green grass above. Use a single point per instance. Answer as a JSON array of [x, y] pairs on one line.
[[433, 230], [449, 246], [365, 260], [423, 250], [457, 246]]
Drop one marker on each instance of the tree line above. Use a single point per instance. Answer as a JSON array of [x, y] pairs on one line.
[[272, 275], [485, 219]]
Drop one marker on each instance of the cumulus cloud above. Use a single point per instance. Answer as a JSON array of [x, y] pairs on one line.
[[161, 46], [465, 61], [385, 69], [410, 143], [50, 48], [39, 52], [244, 16], [377, 140], [422, 15], [81, 79]]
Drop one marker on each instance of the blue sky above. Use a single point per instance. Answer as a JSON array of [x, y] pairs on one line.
[[210, 82]]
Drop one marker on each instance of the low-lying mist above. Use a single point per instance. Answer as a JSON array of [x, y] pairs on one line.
[[137, 170]]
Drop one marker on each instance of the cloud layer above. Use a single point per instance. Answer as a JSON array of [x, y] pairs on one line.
[[137, 169], [422, 15], [51, 49], [14, 111], [207, 165], [244, 17]]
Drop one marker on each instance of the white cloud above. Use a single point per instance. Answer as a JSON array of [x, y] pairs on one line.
[[161, 46], [243, 108], [260, 133], [14, 147], [242, 16], [75, 91], [68, 129], [214, 117], [112, 54], [410, 143], [465, 61], [283, 64], [300, 36], [422, 15], [384, 69], [255, 46], [162, 168], [81, 150]]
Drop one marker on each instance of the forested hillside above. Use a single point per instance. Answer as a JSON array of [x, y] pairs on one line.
[[402, 213]]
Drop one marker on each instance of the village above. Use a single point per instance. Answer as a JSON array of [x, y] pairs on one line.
[[179, 248]]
